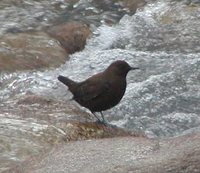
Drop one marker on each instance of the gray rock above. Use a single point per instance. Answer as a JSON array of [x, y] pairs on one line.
[[125, 154]]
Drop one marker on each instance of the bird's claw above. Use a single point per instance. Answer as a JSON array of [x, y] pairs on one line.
[[102, 122]]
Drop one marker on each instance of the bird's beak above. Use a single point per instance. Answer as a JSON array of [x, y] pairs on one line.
[[134, 68]]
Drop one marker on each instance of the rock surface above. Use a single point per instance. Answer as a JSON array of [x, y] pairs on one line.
[[133, 5], [26, 51], [72, 36], [122, 154]]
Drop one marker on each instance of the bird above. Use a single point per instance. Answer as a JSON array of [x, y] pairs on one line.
[[101, 91]]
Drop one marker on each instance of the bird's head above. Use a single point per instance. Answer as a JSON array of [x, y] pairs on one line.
[[120, 68]]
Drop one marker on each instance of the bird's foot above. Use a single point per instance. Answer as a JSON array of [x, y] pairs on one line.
[[111, 125], [103, 122]]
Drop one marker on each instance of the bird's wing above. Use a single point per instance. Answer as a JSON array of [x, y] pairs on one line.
[[91, 89]]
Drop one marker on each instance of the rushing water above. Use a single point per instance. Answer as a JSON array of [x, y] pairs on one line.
[[31, 15], [162, 98]]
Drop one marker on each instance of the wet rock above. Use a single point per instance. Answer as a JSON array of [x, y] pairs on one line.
[[75, 130], [192, 2], [133, 5], [122, 154], [72, 36], [72, 1], [34, 99], [26, 51], [177, 155]]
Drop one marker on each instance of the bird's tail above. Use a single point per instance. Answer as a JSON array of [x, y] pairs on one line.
[[70, 83]]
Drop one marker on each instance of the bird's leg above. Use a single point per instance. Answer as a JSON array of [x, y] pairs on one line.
[[106, 123], [96, 117], [103, 119], [98, 120]]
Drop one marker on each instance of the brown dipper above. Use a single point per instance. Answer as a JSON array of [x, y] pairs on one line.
[[101, 91]]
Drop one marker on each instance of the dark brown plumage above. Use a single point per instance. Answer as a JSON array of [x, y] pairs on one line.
[[101, 91]]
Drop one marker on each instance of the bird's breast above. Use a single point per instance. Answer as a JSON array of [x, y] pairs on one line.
[[118, 89]]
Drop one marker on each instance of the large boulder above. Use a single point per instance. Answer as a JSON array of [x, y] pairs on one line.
[[72, 36], [122, 154], [27, 51]]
